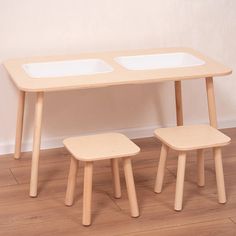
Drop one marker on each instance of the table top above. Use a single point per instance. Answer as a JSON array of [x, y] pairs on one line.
[[119, 76]]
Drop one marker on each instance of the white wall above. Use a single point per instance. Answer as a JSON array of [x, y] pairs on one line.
[[48, 27]]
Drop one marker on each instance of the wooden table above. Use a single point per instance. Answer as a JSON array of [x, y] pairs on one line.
[[119, 76]]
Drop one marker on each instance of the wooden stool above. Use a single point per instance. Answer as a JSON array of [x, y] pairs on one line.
[[183, 139], [100, 147]]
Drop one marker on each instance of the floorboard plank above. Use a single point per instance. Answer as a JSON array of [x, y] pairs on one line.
[[216, 228]]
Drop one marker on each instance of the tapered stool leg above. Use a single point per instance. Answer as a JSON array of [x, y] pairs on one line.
[[87, 195], [161, 169], [219, 175], [71, 182], [180, 181], [200, 168], [116, 177], [129, 178]]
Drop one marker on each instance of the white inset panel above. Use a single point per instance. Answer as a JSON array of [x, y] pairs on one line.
[[159, 61], [66, 68]]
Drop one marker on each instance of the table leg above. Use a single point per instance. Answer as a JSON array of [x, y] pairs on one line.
[[200, 168], [161, 169], [19, 124], [178, 103], [36, 144], [211, 102], [71, 183], [129, 179], [116, 177]]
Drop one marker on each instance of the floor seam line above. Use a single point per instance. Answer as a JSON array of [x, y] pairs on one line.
[[232, 220], [112, 199], [14, 176], [171, 172]]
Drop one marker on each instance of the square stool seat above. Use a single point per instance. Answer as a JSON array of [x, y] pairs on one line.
[[101, 146], [192, 137]]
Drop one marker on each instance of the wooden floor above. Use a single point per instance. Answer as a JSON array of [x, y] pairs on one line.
[[47, 215]]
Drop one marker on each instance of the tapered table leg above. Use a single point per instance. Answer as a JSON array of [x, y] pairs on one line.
[[200, 168], [178, 103], [71, 183], [116, 177], [161, 169], [36, 144], [211, 102], [129, 179], [19, 124]]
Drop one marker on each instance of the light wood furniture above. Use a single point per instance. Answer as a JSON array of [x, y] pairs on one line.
[[186, 138], [119, 76], [101, 147]]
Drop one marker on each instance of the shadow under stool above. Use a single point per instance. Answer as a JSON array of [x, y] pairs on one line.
[[101, 147], [184, 139]]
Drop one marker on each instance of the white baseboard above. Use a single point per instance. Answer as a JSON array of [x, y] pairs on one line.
[[139, 132], [56, 142]]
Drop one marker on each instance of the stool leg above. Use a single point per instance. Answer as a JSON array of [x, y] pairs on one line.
[[161, 169], [129, 178], [219, 175], [87, 195], [71, 182], [200, 168], [116, 177], [180, 181]]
